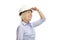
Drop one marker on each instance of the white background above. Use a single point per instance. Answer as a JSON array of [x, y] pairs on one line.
[[9, 19]]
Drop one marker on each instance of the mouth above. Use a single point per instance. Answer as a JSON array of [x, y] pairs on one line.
[[30, 17]]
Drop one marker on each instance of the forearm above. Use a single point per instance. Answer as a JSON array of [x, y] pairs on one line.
[[41, 14]]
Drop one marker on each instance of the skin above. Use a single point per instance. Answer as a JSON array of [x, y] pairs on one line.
[[26, 16]]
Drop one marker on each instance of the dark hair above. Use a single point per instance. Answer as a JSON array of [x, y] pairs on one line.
[[24, 11]]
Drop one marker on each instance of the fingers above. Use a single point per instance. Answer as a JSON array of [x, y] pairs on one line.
[[34, 8]]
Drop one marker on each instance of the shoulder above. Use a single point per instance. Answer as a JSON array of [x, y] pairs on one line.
[[20, 26]]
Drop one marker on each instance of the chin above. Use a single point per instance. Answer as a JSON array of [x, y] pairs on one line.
[[29, 19]]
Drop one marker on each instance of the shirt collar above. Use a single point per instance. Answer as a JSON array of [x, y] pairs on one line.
[[24, 23]]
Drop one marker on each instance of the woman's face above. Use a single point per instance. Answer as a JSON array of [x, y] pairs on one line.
[[27, 16]]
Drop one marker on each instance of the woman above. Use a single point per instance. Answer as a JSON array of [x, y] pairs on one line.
[[25, 30]]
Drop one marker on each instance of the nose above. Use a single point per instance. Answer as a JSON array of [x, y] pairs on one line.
[[30, 16]]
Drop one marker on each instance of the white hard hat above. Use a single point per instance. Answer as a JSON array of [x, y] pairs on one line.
[[23, 8]]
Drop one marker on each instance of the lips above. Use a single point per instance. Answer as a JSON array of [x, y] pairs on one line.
[[30, 17]]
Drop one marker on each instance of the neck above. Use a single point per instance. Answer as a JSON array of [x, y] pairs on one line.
[[25, 21]]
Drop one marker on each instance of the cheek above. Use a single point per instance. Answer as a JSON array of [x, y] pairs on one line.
[[30, 16], [26, 17]]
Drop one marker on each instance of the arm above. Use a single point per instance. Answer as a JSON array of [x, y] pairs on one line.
[[39, 12], [20, 33], [40, 21]]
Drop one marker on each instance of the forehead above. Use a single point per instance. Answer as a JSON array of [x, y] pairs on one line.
[[26, 11]]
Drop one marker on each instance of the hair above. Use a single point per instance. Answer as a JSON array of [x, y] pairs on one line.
[[23, 12]]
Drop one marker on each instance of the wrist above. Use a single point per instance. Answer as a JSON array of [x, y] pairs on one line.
[[38, 10]]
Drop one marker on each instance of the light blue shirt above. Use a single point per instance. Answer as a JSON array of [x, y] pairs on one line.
[[25, 31]]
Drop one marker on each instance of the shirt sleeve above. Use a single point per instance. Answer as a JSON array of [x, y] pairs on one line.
[[20, 33], [38, 22]]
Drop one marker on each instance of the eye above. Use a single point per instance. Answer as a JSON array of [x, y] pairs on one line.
[[28, 12]]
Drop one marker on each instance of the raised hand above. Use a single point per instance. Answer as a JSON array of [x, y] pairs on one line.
[[35, 9]]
